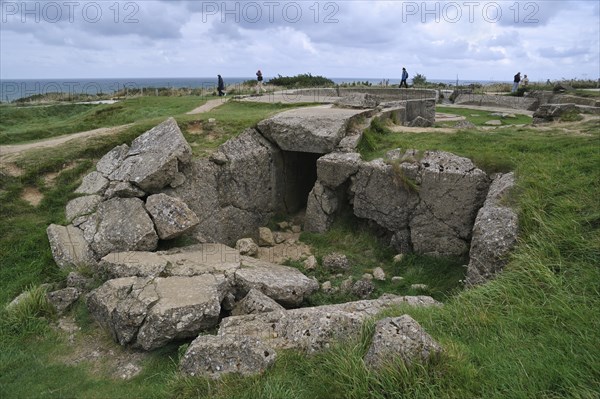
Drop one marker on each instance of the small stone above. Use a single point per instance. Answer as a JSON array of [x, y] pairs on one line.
[[363, 289], [398, 258], [265, 237], [494, 122], [326, 287], [336, 261], [247, 246], [283, 225], [296, 229], [63, 299], [278, 237], [346, 285], [379, 274], [212, 120], [419, 287], [367, 277], [397, 279], [310, 263]]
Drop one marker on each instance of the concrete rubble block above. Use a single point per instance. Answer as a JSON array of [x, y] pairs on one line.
[[148, 312], [358, 101], [286, 285], [335, 168], [451, 189], [112, 160], [93, 183], [379, 274], [199, 259], [383, 193], [123, 225], [363, 288], [63, 299], [423, 109], [320, 209], [312, 129], [69, 247], [255, 302], [251, 178], [172, 217], [212, 357], [133, 264], [313, 329], [400, 338], [153, 160], [247, 247], [123, 189], [335, 262], [495, 233], [82, 206], [265, 237]]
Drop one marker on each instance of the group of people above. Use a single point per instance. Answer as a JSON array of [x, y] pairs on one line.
[[259, 79], [259, 84], [517, 80]]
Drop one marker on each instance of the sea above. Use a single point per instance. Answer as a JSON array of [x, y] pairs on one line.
[[11, 90]]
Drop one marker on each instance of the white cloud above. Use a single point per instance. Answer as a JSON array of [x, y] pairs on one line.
[[337, 39]]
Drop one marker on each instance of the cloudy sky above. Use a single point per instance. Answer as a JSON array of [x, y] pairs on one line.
[[476, 40]]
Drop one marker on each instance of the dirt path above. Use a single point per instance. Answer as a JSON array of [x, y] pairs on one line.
[[10, 152], [208, 106]]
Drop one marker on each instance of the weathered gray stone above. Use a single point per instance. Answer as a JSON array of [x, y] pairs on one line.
[[312, 129], [153, 159], [311, 263], [123, 189], [286, 285], [401, 242], [494, 234], [379, 274], [265, 237], [112, 160], [465, 125], [421, 108], [358, 101], [335, 168], [123, 225], [133, 264], [255, 302], [82, 206], [363, 288], [336, 261], [69, 247], [530, 104], [313, 329], [400, 338], [79, 281], [419, 121], [150, 312], [247, 247], [320, 209], [63, 299], [494, 122], [550, 112], [93, 183], [171, 216], [419, 287], [189, 261], [213, 357], [383, 193]]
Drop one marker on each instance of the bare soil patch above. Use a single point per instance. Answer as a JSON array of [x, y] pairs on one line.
[[32, 195]]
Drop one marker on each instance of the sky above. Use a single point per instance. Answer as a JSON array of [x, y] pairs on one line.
[[471, 40]]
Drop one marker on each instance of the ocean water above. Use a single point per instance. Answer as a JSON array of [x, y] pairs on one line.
[[11, 90]]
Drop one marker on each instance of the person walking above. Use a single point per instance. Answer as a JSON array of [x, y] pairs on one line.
[[259, 80], [516, 81], [220, 86], [525, 81], [404, 77]]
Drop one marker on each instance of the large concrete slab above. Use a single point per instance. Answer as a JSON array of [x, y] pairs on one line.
[[313, 129]]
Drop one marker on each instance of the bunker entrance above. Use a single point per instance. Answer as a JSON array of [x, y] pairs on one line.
[[300, 173]]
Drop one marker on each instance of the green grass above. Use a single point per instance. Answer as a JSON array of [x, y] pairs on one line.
[[479, 117], [23, 124], [531, 333]]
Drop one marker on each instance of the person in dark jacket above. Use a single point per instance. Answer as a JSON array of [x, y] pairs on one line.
[[221, 86], [404, 77], [516, 82]]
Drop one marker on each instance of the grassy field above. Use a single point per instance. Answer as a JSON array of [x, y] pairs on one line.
[[531, 333]]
